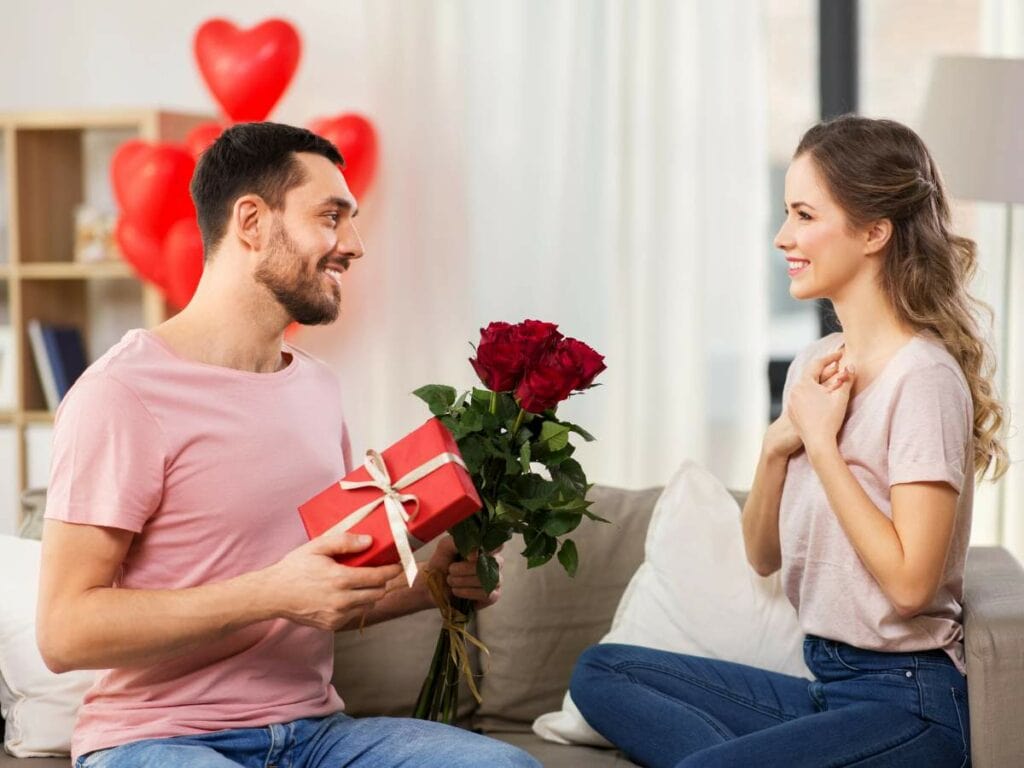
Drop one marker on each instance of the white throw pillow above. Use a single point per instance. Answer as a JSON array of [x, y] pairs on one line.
[[39, 707], [695, 593]]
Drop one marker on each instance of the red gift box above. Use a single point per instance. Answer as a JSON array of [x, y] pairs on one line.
[[446, 496]]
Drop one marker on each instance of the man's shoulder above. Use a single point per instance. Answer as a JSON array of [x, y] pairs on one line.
[[116, 369], [314, 364]]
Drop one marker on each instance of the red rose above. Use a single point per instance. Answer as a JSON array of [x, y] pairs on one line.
[[587, 362], [537, 338], [546, 383], [499, 360]]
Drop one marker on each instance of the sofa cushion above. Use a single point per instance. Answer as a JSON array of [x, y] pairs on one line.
[[545, 619], [559, 756], [695, 593], [39, 706]]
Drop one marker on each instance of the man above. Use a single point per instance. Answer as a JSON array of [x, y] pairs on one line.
[[173, 554]]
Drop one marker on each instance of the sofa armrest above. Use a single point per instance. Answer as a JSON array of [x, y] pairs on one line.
[[994, 645]]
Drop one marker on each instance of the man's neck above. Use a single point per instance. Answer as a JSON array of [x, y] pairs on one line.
[[224, 326]]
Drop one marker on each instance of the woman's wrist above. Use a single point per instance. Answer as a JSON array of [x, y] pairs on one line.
[[774, 451], [822, 448]]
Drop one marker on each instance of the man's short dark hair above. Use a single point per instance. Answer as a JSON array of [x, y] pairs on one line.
[[250, 158]]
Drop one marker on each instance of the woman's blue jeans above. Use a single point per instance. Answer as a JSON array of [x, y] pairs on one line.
[[864, 708]]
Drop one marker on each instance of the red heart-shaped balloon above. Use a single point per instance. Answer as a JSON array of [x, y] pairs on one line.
[[151, 184], [356, 139], [125, 158], [247, 70], [202, 136], [141, 249], [183, 262]]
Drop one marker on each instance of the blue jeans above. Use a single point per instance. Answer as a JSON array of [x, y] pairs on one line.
[[864, 708], [327, 742]]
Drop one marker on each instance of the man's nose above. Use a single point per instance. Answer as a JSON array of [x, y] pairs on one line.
[[350, 244]]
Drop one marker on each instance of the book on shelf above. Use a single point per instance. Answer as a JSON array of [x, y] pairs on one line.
[[59, 353]]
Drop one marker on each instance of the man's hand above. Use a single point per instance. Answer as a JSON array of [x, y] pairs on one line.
[[460, 576], [307, 586]]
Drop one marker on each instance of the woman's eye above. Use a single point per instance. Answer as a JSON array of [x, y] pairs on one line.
[[805, 215]]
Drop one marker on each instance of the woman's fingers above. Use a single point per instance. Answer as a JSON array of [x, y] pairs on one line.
[[817, 367], [845, 376]]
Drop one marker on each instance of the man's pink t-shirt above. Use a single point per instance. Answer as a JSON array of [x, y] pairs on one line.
[[911, 424], [206, 465]]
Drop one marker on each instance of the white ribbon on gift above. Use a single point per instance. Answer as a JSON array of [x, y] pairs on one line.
[[394, 502]]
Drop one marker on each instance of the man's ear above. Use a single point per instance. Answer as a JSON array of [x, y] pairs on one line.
[[250, 218], [878, 235]]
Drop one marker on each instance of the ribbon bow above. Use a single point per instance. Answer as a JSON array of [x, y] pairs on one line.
[[394, 502]]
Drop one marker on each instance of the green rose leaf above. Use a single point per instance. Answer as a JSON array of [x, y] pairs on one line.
[[533, 491], [474, 452], [496, 535], [539, 550], [560, 523], [569, 557], [438, 397], [467, 536], [472, 421], [552, 460], [579, 431], [553, 436], [487, 572], [481, 397], [593, 516], [508, 513], [573, 472]]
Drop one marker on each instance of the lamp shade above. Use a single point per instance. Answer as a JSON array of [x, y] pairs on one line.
[[973, 123]]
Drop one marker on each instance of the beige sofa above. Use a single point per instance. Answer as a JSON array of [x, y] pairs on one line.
[[544, 620]]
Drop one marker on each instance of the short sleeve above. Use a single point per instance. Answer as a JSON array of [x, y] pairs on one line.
[[930, 428], [108, 457]]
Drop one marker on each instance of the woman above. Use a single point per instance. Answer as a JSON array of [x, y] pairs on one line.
[[862, 494]]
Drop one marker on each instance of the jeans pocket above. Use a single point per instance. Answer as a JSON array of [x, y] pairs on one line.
[[964, 721], [874, 662], [92, 759]]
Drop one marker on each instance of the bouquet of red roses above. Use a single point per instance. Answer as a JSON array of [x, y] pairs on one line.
[[519, 454]]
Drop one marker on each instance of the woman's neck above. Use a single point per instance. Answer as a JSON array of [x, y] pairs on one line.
[[872, 332]]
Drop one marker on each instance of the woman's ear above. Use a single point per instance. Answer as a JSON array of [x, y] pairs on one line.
[[878, 235], [250, 221]]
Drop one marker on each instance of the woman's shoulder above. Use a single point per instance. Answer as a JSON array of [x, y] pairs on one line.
[[926, 357]]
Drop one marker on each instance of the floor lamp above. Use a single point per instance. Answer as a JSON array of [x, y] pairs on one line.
[[973, 123]]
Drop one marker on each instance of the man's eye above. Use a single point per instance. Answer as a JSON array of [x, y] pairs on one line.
[[333, 217]]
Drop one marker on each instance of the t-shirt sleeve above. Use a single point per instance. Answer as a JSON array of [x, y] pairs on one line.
[[930, 428], [108, 457]]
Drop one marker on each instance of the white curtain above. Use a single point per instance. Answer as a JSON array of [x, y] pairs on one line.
[[598, 164], [1000, 507]]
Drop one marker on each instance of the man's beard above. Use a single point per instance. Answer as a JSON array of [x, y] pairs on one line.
[[285, 273]]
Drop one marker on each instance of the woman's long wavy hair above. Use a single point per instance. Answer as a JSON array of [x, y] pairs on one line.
[[880, 169]]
